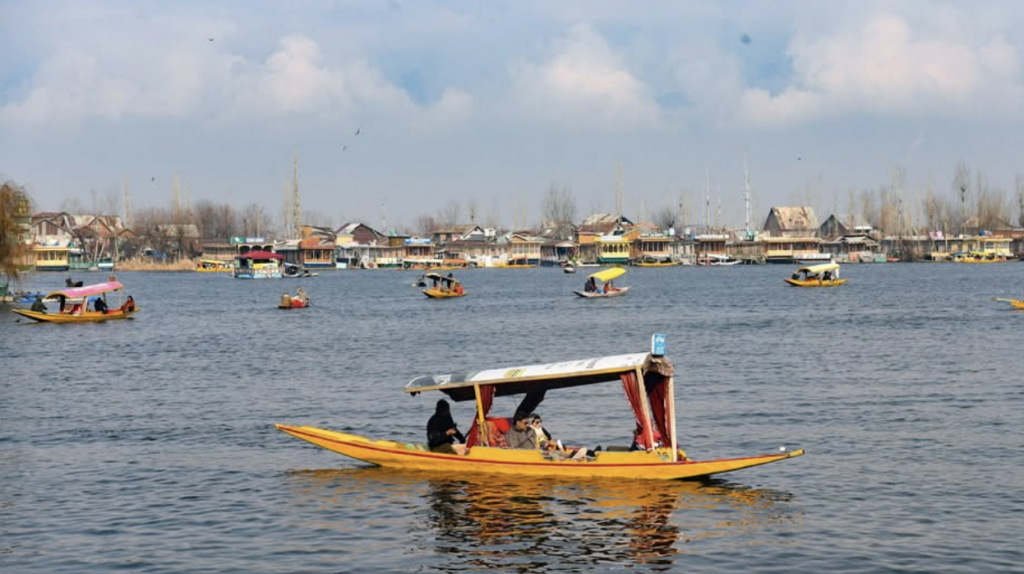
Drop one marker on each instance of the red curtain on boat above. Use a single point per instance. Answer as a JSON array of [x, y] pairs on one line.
[[657, 396], [632, 387], [486, 400]]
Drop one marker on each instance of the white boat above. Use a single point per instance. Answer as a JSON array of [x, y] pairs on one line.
[[716, 260]]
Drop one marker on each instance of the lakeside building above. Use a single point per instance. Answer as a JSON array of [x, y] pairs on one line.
[[791, 235], [653, 249], [522, 248]]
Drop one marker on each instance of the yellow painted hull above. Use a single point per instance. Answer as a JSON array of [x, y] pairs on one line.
[[225, 270], [90, 317], [1015, 303], [439, 294], [815, 282], [414, 456], [669, 264]]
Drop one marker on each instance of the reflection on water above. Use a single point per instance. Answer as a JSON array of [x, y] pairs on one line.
[[550, 524]]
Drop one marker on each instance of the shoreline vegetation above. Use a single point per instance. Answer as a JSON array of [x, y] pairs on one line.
[[143, 265]]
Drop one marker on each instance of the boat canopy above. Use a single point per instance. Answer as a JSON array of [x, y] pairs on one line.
[[608, 274], [262, 255], [818, 269], [86, 291], [519, 380]]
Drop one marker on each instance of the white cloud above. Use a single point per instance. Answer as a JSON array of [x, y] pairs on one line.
[[583, 82], [887, 67]]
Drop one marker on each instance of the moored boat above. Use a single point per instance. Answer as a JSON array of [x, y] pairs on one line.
[[592, 291], [214, 266], [258, 265], [716, 260], [824, 275], [73, 304], [648, 382]]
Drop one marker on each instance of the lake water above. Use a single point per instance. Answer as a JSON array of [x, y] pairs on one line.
[[147, 445]]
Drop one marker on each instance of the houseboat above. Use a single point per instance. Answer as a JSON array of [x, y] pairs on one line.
[[258, 265], [52, 258]]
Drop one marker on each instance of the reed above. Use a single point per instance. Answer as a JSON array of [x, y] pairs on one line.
[[144, 265]]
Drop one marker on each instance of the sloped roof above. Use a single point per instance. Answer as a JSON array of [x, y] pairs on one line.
[[795, 218]]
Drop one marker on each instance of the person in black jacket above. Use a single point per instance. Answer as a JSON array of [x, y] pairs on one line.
[[442, 433]]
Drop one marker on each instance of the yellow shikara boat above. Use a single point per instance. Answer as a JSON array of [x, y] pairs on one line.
[[214, 266], [74, 303], [824, 275], [1015, 303], [443, 287], [647, 379], [607, 290]]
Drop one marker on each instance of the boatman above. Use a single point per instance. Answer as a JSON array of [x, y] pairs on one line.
[[38, 306]]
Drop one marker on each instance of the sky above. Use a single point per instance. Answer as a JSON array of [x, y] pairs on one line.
[[397, 109]]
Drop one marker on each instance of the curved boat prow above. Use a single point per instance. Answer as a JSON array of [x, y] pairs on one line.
[[656, 464]]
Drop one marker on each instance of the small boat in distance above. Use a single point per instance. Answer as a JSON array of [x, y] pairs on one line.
[[299, 301], [443, 287], [213, 266], [648, 382], [592, 291], [717, 260], [1015, 303], [824, 275], [650, 261], [73, 305]]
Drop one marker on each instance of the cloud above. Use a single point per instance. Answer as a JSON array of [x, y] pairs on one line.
[[199, 81], [886, 67], [582, 82]]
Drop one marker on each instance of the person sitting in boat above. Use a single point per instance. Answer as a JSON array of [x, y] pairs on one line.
[[520, 435], [640, 439], [129, 305], [458, 289], [609, 288], [442, 433], [100, 305], [38, 306], [301, 296], [826, 276], [542, 439], [590, 286]]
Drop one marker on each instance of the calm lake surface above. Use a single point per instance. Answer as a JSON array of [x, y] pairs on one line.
[[147, 445]]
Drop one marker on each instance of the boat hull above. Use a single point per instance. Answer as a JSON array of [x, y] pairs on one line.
[[632, 465], [815, 282], [89, 317], [439, 294], [598, 295]]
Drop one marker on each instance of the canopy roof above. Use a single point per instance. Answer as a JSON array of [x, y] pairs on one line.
[[608, 274], [518, 380], [261, 255], [86, 291], [818, 269]]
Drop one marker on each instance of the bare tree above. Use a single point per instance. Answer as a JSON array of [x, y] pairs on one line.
[[1020, 200], [425, 225], [559, 210], [962, 187], [256, 221], [472, 207], [665, 217], [449, 214]]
